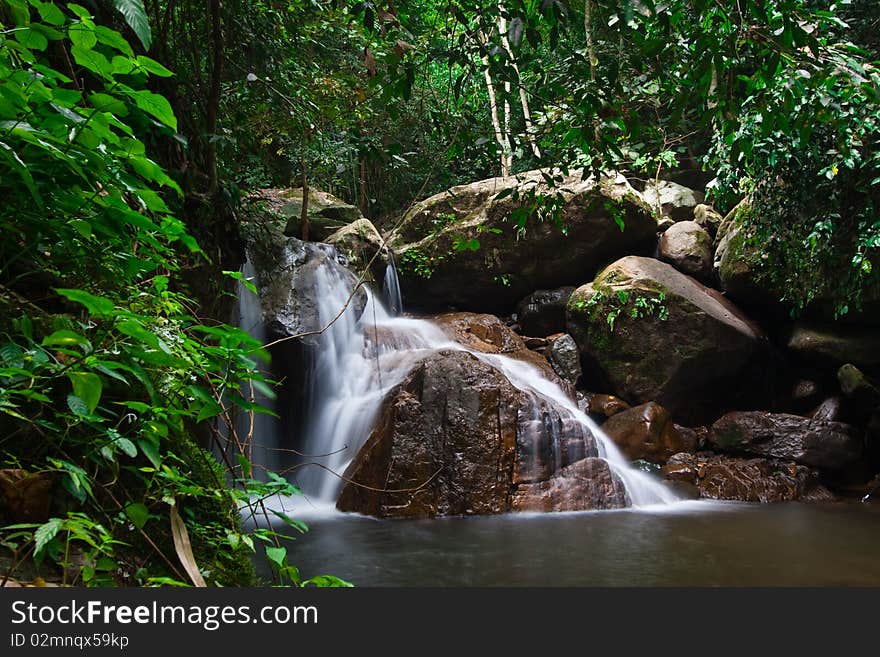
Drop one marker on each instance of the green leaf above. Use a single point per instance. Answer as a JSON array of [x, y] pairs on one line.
[[276, 556], [64, 338], [137, 513], [113, 39], [50, 13], [31, 38], [327, 581], [209, 410], [77, 406], [136, 17], [83, 35], [92, 60], [45, 533], [151, 451], [239, 276], [87, 387], [157, 106], [126, 446], [95, 305], [152, 66], [134, 330], [107, 103]]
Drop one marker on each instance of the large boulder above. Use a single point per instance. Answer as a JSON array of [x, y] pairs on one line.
[[489, 335], [456, 437], [585, 485], [363, 247], [287, 279], [486, 245], [542, 313], [720, 477], [688, 248], [645, 432], [658, 335], [444, 444], [672, 200], [814, 443], [326, 213]]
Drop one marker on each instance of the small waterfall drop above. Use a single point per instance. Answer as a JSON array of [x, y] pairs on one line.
[[391, 288], [365, 351]]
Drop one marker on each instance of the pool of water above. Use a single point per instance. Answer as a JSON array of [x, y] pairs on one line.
[[687, 544]]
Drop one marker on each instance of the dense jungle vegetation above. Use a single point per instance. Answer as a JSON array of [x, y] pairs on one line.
[[131, 130]]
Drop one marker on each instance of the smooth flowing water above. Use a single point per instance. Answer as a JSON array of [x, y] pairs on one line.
[[687, 544], [361, 356]]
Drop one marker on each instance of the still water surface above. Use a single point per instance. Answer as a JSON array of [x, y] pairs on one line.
[[687, 544]]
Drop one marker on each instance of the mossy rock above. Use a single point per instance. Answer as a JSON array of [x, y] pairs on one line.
[[464, 248], [657, 335]]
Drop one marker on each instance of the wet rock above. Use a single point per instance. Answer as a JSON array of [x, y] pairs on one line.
[[542, 313], [587, 484], [565, 358], [444, 444], [827, 411], [672, 200], [455, 437], [805, 394], [688, 248], [693, 438], [605, 405], [287, 271], [536, 344], [814, 443], [489, 335], [673, 341], [720, 477], [707, 218], [507, 266], [645, 432], [862, 396]]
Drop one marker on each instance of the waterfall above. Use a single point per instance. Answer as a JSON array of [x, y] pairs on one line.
[[364, 353], [391, 288], [364, 350]]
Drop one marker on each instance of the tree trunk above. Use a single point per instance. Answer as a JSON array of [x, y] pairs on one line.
[[500, 136], [523, 99], [213, 105]]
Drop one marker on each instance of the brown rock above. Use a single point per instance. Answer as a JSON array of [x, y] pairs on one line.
[[673, 340], [454, 438], [587, 484], [606, 405], [509, 265], [444, 444], [749, 480], [645, 432], [25, 496], [688, 248], [814, 443], [693, 439]]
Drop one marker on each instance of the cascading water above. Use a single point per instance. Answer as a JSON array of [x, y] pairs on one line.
[[391, 288], [360, 357]]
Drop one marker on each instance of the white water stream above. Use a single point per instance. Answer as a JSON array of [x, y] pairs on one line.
[[359, 358]]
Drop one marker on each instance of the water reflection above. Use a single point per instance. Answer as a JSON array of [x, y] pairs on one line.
[[694, 544]]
